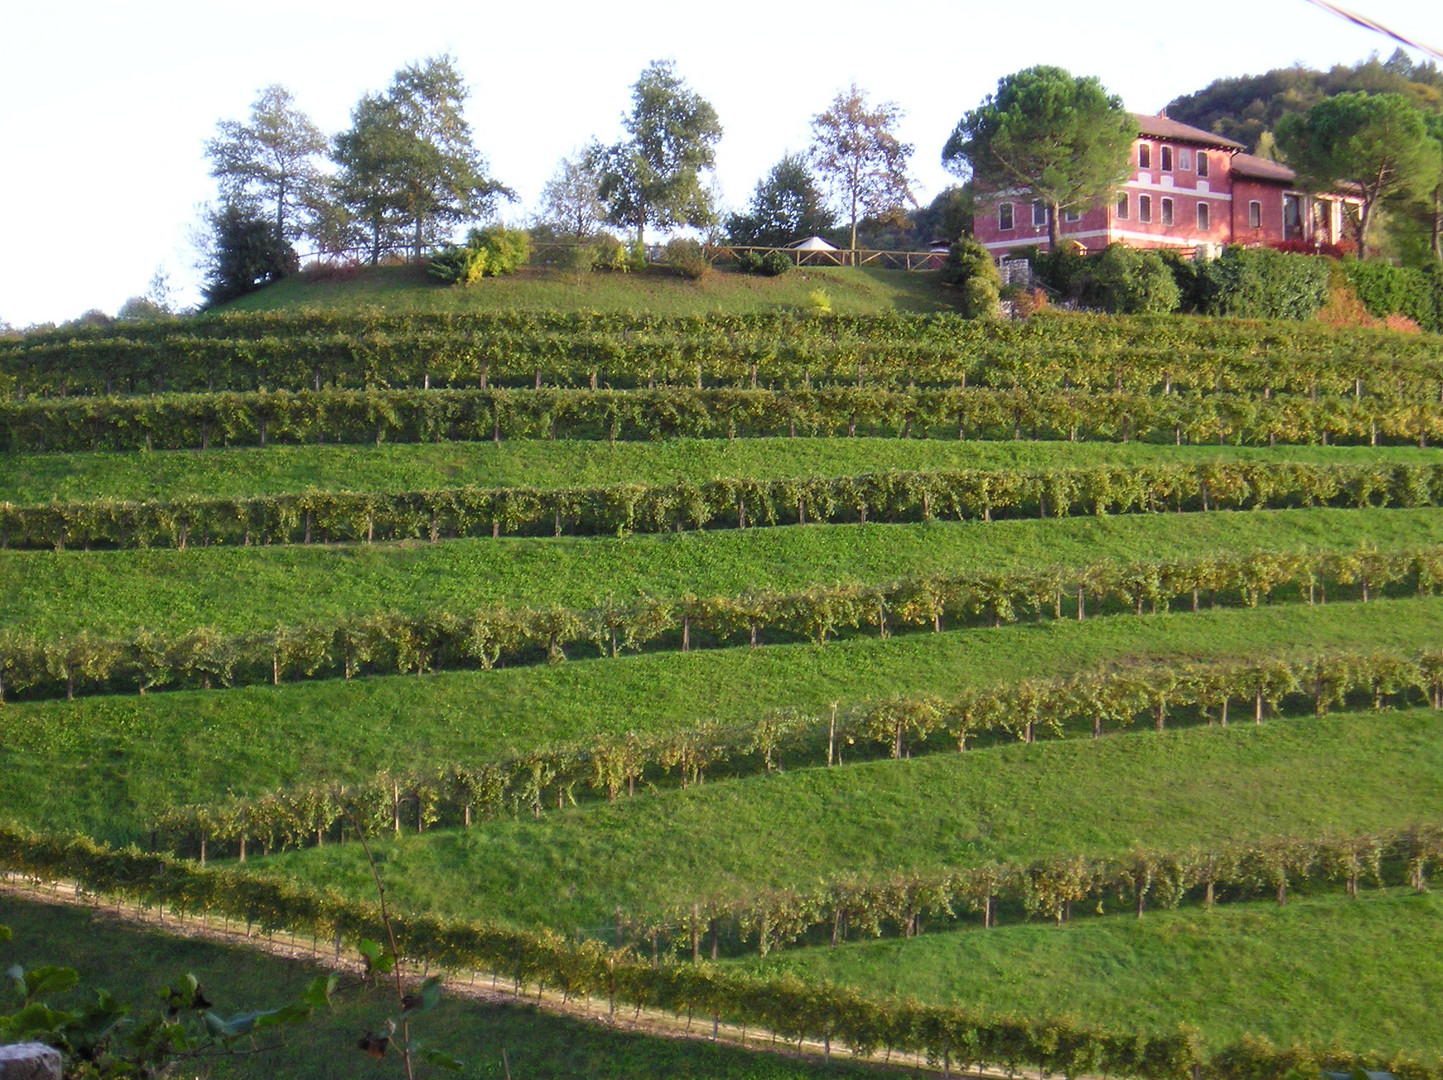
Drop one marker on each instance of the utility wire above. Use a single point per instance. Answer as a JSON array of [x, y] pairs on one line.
[[1377, 27]]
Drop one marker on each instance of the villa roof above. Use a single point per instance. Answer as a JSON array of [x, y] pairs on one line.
[[1160, 127], [1262, 169]]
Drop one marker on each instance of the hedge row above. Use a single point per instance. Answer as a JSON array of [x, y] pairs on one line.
[[327, 516], [900, 726], [201, 421], [955, 1037], [1386, 290], [306, 351], [487, 637]]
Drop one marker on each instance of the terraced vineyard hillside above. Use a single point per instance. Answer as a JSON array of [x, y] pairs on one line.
[[1058, 695]]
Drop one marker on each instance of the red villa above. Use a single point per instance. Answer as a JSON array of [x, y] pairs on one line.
[[1189, 189]]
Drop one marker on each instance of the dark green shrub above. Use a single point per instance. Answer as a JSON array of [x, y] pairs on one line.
[[1190, 286], [687, 258], [763, 264], [245, 254], [1131, 282], [1066, 272], [1261, 283], [970, 268]]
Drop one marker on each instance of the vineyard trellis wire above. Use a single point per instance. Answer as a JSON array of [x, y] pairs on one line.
[[621, 509], [207, 421], [149, 660]]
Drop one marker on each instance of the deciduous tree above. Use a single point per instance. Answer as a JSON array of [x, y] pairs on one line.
[[571, 200], [654, 177], [1057, 138], [409, 160], [856, 149], [269, 163]]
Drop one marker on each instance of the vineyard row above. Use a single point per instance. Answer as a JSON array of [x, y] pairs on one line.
[[622, 509], [455, 795], [203, 421], [486, 637], [954, 1036], [1140, 355]]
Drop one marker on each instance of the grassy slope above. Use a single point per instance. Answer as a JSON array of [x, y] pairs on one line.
[[102, 764], [238, 589], [657, 292], [39, 478], [1183, 787], [1364, 973], [135, 963]]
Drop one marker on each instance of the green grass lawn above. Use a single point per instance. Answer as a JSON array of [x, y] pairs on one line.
[[1365, 974], [166, 474], [1015, 802], [656, 291], [239, 589], [105, 765], [135, 963]]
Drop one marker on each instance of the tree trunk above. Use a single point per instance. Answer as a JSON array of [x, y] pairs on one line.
[[1365, 219], [1436, 241], [1053, 235]]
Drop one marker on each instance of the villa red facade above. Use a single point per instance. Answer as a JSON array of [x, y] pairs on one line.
[[1188, 189]]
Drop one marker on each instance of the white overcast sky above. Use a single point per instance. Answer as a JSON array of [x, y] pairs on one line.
[[105, 106]]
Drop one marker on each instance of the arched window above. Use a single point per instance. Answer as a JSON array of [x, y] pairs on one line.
[[1203, 217]]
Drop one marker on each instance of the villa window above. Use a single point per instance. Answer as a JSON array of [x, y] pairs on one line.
[[1167, 159], [1203, 217], [1167, 211], [1184, 159], [1144, 208], [1122, 207], [1073, 216], [1202, 163], [1004, 216], [1144, 156], [1039, 215], [1255, 215]]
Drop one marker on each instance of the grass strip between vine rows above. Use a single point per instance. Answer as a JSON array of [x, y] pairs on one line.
[[28, 479], [86, 663], [885, 832], [1323, 970], [111, 765], [549, 777], [237, 590]]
